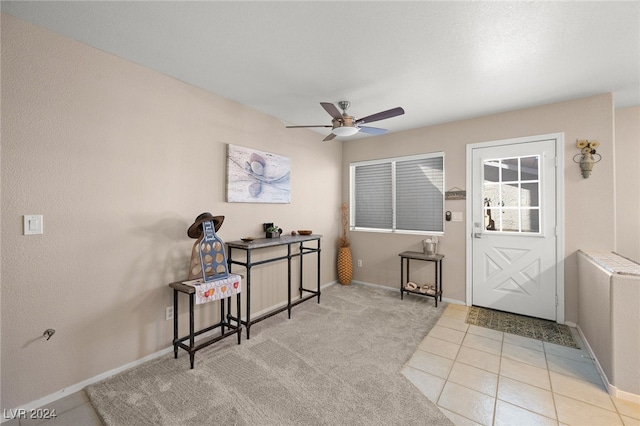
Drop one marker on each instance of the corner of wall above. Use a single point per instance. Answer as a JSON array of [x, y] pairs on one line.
[[627, 175]]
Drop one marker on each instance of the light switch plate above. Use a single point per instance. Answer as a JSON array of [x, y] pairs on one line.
[[456, 216], [32, 224]]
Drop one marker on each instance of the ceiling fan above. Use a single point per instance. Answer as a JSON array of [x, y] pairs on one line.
[[346, 125]]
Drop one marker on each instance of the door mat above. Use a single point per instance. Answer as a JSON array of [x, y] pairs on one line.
[[534, 328]]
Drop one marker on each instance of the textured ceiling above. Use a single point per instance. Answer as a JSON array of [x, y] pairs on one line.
[[441, 61]]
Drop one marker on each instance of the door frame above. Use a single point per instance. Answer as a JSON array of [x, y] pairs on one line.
[[559, 214]]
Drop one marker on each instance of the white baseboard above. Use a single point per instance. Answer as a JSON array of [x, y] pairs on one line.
[[38, 403], [611, 389], [386, 287], [444, 299], [453, 301], [627, 396]]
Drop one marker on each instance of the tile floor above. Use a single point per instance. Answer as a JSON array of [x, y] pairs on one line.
[[478, 376]]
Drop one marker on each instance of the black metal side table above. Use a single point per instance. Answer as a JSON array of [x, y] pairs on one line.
[[249, 246], [416, 255], [225, 321]]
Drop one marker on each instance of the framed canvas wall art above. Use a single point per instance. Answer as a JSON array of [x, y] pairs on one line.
[[257, 177]]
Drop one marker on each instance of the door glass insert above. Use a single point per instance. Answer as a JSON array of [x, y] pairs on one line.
[[509, 170], [492, 171], [511, 192], [529, 194]]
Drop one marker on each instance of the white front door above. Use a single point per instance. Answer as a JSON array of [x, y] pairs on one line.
[[513, 244]]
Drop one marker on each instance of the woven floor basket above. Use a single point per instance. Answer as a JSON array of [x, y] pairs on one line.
[[345, 266]]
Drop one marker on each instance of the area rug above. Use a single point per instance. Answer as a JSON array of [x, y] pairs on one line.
[[334, 363], [535, 328]]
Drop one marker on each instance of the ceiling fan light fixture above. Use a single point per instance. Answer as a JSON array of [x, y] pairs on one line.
[[345, 125], [345, 131]]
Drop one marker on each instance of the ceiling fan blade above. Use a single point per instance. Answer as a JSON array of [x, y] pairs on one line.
[[300, 127], [332, 110], [372, 130], [381, 115], [329, 137]]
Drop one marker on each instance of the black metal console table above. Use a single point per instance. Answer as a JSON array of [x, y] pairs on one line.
[[248, 263], [436, 258], [225, 321]]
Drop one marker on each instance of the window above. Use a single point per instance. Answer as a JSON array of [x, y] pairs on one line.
[[511, 194], [402, 194]]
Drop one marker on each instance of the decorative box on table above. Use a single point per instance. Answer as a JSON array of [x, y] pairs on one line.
[[217, 289]]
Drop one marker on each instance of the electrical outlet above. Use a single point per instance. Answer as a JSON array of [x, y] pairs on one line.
[[169, 313], [359, 263]]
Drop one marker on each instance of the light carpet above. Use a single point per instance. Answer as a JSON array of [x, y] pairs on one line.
[[333, 363]]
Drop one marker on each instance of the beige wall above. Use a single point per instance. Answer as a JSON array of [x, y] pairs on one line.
[[0, 250], [589, 211], [625, 330], [120, 160], [609, 320], [595, 310], [627, 176]]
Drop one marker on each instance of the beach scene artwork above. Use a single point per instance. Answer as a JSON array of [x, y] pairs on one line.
[[257, 177]]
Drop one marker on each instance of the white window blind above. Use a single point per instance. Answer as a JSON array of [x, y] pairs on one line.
[[403, 194], [374, 196]]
